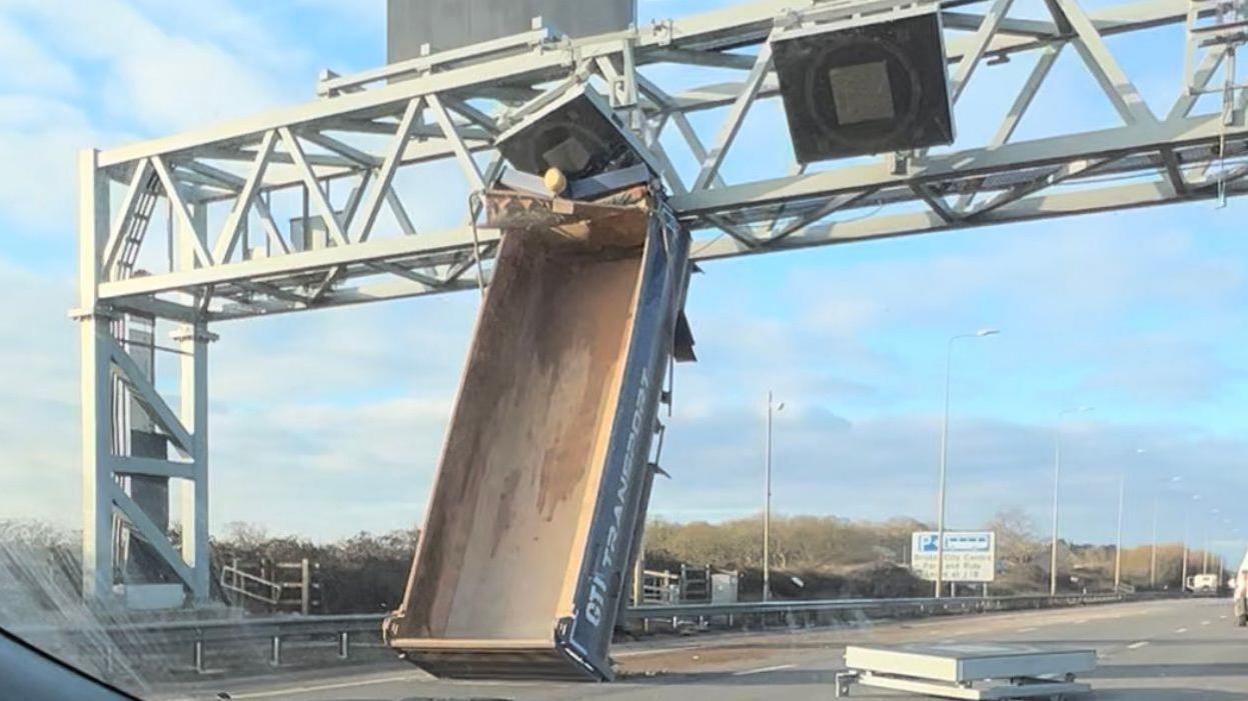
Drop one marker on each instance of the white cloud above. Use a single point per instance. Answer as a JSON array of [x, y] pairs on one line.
[[1164, 369], [29, 67], [238, 28], [396, 349], [39, 466], [172, 84], [330, 422], [151, 79], [100, 73], [326, 470], [91, 74], [40, 138], [886, 466]]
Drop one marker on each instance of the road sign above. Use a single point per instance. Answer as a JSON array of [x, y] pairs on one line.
[[970, 556]]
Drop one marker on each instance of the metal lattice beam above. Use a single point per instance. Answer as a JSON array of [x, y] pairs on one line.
[[467, 112]]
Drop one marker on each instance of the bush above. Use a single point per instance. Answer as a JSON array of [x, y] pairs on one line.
[[365, 573]]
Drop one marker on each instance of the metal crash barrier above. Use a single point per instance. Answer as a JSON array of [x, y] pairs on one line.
[[200, 643]]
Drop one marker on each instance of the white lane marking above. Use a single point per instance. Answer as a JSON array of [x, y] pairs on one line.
[[1026, 630], [760, 670], [1137, 646], [325, 687], [1222, 617], [1180, 630], [1204, 623]]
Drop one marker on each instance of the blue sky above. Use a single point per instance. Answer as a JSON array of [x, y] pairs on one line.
[[328, 423]]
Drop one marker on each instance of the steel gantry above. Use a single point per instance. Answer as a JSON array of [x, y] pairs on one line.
[[303, 208]]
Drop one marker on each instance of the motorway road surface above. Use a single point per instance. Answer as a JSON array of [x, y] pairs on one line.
[[1150, 651]]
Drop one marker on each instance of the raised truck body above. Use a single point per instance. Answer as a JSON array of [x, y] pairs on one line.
[[530, 528]]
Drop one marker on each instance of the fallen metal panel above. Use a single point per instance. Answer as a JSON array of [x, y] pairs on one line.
[[972, 671], [960, 662], [1005, 692]]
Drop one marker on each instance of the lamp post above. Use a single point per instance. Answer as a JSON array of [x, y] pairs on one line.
[[1187, 522], [1117, 546], [1226, 530], [1204, 545], [1237, 542], [1057, 475], [1122, 493], [1152, 562], [1152, 566], [1152, 559], [1204, 562], [944, 459], [772, 407]]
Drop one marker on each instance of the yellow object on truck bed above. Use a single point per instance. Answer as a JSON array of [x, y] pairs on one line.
[[540, 490]]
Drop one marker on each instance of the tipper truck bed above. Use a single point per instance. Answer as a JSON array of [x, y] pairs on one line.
[[529, 531]]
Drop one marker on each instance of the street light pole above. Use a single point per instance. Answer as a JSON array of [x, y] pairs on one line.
[[767, 501], [1204, 566], [1057, 473], [1152, 566], [1183, 571], [1226, 530], [1187, 523], [1122, 493], [1204, 552], [944, 460], [1057, 476]]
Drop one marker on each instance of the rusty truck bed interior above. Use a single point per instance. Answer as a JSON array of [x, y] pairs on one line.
[[501, 549]]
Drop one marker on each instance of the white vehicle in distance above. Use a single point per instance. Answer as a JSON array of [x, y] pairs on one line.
[[1202, 583]]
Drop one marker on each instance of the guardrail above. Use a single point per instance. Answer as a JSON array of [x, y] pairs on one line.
[[918, 605], [195, 637]]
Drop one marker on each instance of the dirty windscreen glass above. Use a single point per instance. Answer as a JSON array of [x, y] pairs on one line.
[[703, 357]]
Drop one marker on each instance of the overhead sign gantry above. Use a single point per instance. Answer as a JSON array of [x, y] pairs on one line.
[[300, 209]]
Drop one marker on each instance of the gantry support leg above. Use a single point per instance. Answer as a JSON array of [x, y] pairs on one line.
[[97, 430], [115, 380], [97, 477], [193, 340]]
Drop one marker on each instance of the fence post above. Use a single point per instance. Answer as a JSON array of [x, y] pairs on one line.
[[305, 587]]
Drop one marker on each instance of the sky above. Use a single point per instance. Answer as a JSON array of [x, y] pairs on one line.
[[328, 423]]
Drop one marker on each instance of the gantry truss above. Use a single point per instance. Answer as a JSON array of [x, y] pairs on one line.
[[306, 207]]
